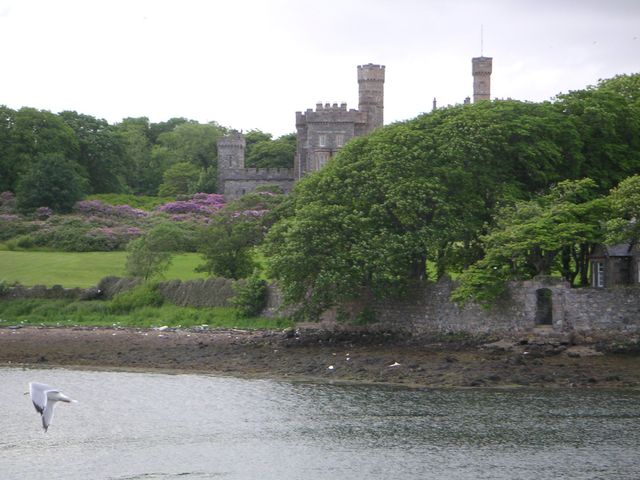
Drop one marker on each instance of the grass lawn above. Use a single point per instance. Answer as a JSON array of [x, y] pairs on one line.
[[79, 269]]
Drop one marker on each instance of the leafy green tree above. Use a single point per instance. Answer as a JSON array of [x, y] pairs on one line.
[[9, 169], [421, 191], [33, 134], [100, 152], [227, 244], [607, 117], [189, 142], [54, 182], [156, 129], [268, 153], [142, 175], [146, 259], [623, 226], [530, 237], [179, 179]]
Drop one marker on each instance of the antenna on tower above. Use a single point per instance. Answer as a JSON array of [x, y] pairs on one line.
[[481, 41]]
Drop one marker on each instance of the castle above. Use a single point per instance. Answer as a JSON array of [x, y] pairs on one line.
[[322, 132]]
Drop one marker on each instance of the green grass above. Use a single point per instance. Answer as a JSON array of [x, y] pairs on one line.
[[79, 269], [100, 313]]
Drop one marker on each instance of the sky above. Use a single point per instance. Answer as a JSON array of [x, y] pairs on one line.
[[251, 64]]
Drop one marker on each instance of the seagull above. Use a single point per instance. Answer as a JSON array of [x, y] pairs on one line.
[[44, 398]]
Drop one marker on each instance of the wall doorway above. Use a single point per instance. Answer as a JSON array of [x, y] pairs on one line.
[[544, 306]]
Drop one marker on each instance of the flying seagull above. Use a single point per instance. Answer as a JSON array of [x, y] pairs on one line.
[[44, 398]]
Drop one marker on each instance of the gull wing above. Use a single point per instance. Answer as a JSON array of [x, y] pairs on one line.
[[47, 415], [38, 393]]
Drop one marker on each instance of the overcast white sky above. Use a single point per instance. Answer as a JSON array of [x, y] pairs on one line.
[[251, 64]]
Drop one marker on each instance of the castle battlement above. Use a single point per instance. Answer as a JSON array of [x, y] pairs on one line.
[[371, 72]]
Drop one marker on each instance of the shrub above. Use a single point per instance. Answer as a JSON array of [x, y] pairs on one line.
[[14, 225], [143, 202], [145, 260], [251, 296], [144, 295]]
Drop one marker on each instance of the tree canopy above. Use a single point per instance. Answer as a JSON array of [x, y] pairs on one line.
[[422, 198]]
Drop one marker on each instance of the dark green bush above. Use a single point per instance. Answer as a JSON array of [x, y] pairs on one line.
[[251, 296], [144, 295]]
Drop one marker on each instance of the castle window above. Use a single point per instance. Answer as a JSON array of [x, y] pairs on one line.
[[322, 140], [321, 159], [339, 140]]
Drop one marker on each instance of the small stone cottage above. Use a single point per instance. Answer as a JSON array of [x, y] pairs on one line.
[[613, 265]]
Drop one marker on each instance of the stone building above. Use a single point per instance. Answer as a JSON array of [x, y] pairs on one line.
[[321, 133], [481, 68], [613, 265], [235, 180]]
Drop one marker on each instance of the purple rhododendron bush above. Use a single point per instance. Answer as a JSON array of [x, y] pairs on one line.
[[94, 225]]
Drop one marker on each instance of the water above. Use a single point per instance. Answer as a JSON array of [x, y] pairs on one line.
[[154, 426]]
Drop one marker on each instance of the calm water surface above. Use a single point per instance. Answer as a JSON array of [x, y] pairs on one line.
[[155, 426]]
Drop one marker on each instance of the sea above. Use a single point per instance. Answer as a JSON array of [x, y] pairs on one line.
[[147, 426]]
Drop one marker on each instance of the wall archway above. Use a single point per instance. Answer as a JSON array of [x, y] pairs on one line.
[[544, 306]]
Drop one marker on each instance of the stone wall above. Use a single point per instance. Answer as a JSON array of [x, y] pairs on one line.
[[209, 292], [527, 305], [57, 292], [429, 310], [608, 309]]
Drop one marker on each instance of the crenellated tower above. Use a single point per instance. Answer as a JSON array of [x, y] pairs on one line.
[[236, 180], [481, 69], [231, 151], [371, 95]]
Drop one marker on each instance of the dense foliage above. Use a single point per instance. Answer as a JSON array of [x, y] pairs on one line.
[[227, 243], [429, 190], [135, 156], [95, 225]]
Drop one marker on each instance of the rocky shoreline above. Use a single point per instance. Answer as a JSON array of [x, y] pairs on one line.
[[346, 355]]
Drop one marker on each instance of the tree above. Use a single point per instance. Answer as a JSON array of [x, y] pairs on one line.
[[189, 142], [142, 175], [9, 169], [32, 135], [607, 117], [179, 179], [227, 244], [413, 194], [100, 152], [267, 153], [145, 259], [624, 200], [537, 237], [53, 181]]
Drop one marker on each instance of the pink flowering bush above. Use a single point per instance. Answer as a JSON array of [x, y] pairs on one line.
[[7, 202], [99, 226], [198, 204], [43, 213], [97, 208]]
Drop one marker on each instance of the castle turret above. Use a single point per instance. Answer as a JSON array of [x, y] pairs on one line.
[[231, 151], [230, 157], [481, 69], [371, 94]]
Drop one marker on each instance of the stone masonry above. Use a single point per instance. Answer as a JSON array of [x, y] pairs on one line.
[[321, 134]]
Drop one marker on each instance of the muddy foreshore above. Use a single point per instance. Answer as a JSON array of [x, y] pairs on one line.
[[342, 356]]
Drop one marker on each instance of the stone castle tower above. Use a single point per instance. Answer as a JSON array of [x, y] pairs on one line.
[[235, 180], [481, 69], [321, 133]]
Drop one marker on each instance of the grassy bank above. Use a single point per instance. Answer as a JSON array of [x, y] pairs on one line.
[[79, 269], [108, 314]]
